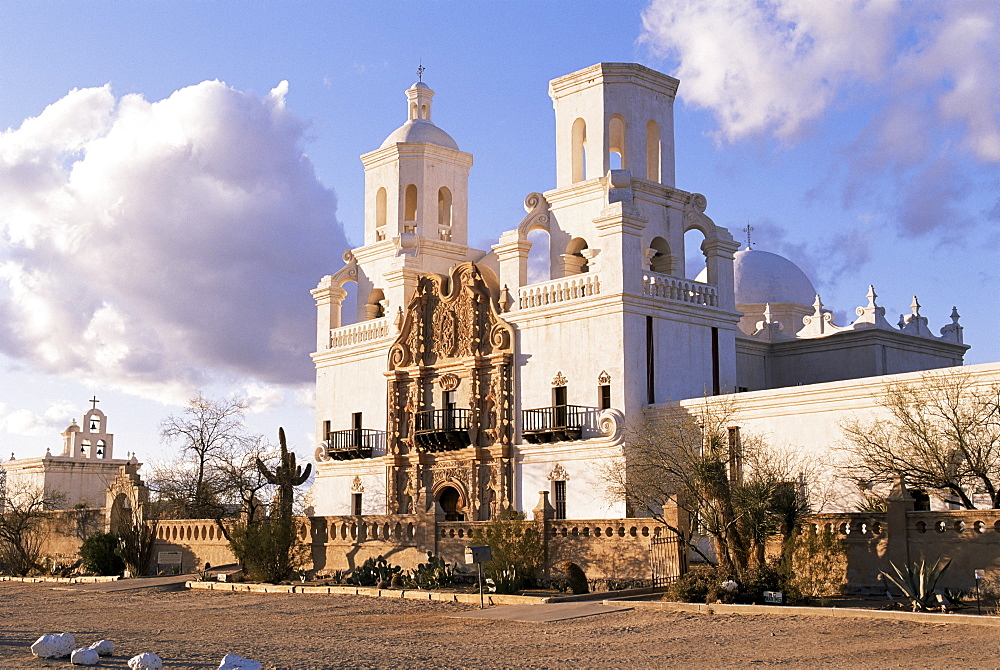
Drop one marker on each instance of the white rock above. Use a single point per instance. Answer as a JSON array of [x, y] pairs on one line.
[[53, 646], [83, 656], [104, 648], [145, 662], [234, 662]]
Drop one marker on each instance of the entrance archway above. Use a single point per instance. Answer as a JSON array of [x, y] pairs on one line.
[[450, 500]]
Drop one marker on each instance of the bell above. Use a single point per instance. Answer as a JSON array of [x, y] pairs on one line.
[[93, 424], [100, 452]]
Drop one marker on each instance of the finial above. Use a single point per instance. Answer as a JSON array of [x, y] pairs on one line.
[[915, 307], [749, 229], [420, 71], [954, 315], [818, 305], [94, 402], [767, 313], [12, 455], [871, 295]]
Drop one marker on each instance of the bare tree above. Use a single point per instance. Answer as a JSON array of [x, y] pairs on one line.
[[211, 436], [942, 434], [22, 526], [737, 490]]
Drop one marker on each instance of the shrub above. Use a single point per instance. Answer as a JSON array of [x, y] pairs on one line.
[[517, 551], [100, 554], [375, 572], [269, 549], [433, 574], [702, 584], [818, 564]]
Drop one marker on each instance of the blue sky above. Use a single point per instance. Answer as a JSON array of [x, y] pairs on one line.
[[170, 200]]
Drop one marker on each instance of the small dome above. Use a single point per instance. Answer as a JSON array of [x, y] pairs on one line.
[[762, 277], [420, 84], [419, 130], [72, 428]]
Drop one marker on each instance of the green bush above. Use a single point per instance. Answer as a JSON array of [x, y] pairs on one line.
[[100, 554], [702, 584], [433, 574], [269, 550], [375, 572], [818, 564], [517, 551]]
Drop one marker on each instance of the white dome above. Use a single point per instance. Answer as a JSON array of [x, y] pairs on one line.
[[419, 130], [762, 277]]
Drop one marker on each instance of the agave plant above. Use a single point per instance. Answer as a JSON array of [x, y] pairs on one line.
[[917, 581]]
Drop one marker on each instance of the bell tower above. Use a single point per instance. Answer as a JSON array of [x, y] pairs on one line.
[[614, 116], [417, 182]]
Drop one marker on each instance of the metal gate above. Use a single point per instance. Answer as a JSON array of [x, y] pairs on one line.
[[667, 559]]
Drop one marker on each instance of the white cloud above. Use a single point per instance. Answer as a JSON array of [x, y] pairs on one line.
[[918, 78], [263, 398], [160, 246], [25, 422]]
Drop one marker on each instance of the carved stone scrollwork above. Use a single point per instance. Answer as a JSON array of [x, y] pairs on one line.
[[558, 474], [559, 380], [449, 381], [604, 378], [322, 453], [611, 423], [357, 486]]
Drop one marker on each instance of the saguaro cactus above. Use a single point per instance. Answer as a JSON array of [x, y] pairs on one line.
[[286, 476]]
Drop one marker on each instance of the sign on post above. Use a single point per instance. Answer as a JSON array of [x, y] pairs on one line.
[[773, 597], [477, 556], [169, 559]]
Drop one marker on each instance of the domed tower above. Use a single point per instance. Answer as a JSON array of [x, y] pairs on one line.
[[417, 181], [763, 279]]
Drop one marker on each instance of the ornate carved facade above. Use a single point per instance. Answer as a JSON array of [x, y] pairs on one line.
[[450, 408]]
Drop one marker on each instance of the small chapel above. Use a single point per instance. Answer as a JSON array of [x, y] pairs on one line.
[[80, 474], [460, 382]]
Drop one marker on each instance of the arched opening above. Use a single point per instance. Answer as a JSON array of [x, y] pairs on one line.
[[661, 261], [349, 305], [121, 514], [579, 152], [653, 151], [380, 214], [574, 261], [410, 204], [424, 112], [694, 256], [85, 451], [413, 110], [102, 449], [444, 206], [451, 502], [616, 143], [375, 308], [539, 261]]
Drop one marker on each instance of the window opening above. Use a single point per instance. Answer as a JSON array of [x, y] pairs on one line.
[[356, 504], [579, 157], [653, 151], [559, 493], [380, 214], [356, 425], [616, 143], [604, 396], [650, 363], [410, 204], [559, 398], [715, 361]]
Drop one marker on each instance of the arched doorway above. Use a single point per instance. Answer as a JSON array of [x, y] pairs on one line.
[[451, 502], [121, 514]]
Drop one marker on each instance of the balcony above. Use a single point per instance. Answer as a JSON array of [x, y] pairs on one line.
[[561, 423], [442, 430], [345, 445]]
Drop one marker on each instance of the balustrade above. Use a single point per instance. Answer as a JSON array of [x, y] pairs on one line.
[[360, 333], [559, 290], [679, 289]]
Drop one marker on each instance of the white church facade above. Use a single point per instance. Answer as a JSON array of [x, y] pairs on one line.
[[461, 383]]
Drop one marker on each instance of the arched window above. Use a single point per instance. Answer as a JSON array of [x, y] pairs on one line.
[[424, 113], [444, 206], [413, 110], [694, 255], [410, 203], [616, 143], [662, 261], [579, 150], [380, 206], [653, 151], [539, 262]]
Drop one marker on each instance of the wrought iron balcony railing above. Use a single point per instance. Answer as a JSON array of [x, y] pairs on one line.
[[354, 443], [554, 424], [442, 429]]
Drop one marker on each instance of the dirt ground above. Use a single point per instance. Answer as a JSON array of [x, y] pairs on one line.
[[195, 629]]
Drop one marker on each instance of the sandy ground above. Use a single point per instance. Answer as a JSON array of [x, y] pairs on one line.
[[196, 629]]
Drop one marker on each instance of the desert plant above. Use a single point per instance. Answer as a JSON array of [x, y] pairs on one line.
[[577, 579], [517, 550], [917, 581], [375, 571], [100, 554], [135, 545], [433, 574], [702, 584], [286, 476], [817, 564], [269, 550]]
